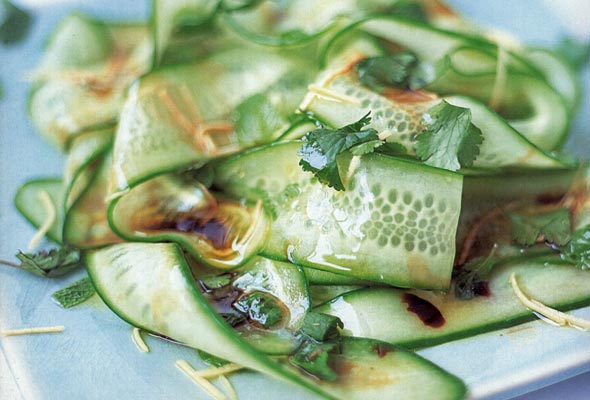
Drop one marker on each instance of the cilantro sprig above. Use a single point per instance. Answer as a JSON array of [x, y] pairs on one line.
[[322, 146], [471, 278], [450, 140], [577, 250]]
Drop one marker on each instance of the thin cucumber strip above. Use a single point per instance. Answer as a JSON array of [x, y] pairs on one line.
[[378, 371], [321, 294], [180, 116], [85, 223], [395, 222], [27, 201], [287, 283], [319, 277], [338, 98], [84, 150], [560, 75], [219, 232], [83, 78], [168, 16], [383, 313], [151, 287]]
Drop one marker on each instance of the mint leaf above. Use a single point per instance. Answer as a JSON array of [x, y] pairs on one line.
[[450, 140], [402, 70], [49, 264], [577, 251], [321, 327], [321, 147], [74, 294], [471, 279], [15, 25], [553, 225], [314, 358], [260, 308]]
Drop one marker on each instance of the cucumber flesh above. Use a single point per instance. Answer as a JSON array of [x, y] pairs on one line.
[[382, 313], [400, 224], [28, 203]]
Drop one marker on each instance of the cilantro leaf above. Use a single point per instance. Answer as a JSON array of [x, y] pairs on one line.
[[574, 52], [314, 358], [321, 147], [321, 327], [577, 251], [450, 140], [471, 279], [74, 294], [49, 264], [15, 24], [553, 225]]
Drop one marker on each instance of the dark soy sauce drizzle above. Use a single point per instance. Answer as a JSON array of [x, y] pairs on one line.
[[425, 310]]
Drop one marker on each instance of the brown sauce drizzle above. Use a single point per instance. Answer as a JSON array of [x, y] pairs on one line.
[[212, 229], [425, 310]]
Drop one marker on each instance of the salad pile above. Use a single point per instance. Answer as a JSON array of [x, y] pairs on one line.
[[312, 189]]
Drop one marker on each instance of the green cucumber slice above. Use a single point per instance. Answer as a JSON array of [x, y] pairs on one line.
[[85, 224], [319, 277], [218, 232], [346, 100], [395, 222], [158, 131], [382, 313], [150, 286], [83, 78], [379, 371], [169, 16], [28, 203], [286, 282], [323, 293]]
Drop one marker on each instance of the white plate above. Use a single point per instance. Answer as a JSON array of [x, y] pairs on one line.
[[95, 358]]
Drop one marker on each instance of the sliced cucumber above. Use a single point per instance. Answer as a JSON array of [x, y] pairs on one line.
[[395, 222], [287, 283], [84, 75], [323, 293], [400, 120], [319, 277], [150, 286], [168, 16], [383, 314], [29, 204], [377, 371], [85, 223], [221, 233], [160, 127]]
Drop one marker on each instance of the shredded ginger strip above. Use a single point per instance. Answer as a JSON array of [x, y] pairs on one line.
[[552, 314], [138, 340], [207, 386], [29, 331]]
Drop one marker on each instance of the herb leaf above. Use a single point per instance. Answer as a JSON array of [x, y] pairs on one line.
[[402, 70], [210, 359], [74, 294], [15, 24], [554, 226], [471, 279], [313, 357], [260, 308], [49, 264], [321, 327], [450, 140], [321, 147], [577, 251]]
